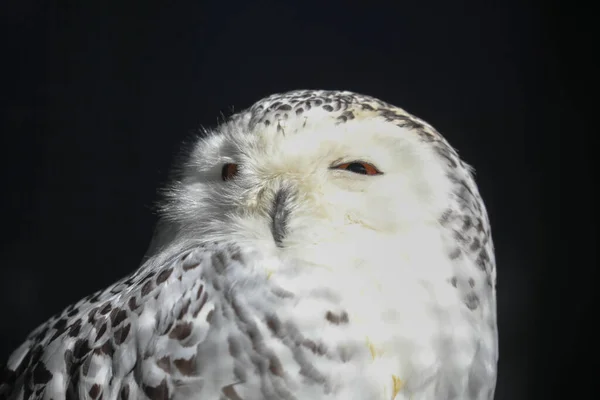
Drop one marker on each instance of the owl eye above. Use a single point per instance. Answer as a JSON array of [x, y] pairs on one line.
[[229, 171], [359, 167]]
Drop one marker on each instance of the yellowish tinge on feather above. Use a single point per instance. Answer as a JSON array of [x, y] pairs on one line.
[[397, 385], [374, 351]]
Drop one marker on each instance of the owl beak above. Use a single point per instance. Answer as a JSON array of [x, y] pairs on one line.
[[280, 213]]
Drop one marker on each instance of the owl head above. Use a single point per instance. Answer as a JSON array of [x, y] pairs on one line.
[[316, 175]]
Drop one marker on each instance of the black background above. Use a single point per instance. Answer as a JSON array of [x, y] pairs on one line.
[[97, 99]]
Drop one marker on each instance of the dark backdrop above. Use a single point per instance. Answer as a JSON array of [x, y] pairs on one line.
[[97, 99]]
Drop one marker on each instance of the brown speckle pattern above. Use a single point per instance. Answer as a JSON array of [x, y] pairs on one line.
[[94, 391], [337, 319], [160, 392], [186, 367], [124, 392], [181, 331]]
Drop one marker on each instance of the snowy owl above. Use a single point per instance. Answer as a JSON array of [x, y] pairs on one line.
[[317, 245]]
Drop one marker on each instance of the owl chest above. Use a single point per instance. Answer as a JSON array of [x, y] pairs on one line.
[[359, 333]]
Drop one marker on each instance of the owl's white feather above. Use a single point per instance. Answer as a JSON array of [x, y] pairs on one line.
[[308, 282]]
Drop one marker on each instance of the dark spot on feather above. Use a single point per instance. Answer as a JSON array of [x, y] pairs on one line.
[[148, 286], [75, 328], [234, 347], [472, 282], [41, 375], [472, 301], [101, 331], [202, 302], [184, 309], [94, 391], [230, 393], [92, 315], [459, 237], [132, 304], [312, 346], [163, 276], [119, 317], [454, 281], [106, 348], [199, 292], [73, 312], [186, 367], [94, 297], [209, 316], [282, 293], [36, 354], [124, 392], [121, 334], [167, 327], [309, 344], [454, 254], [81, 349], [467, 223], [275, 366], [235, 254], [274, 325], [254, 336], [337, 319], [164, 364], [219, 261], [482, 260], [60, 326], [160, 392], [106, 309], [85, 367], [72, 393], [181, 331], [191, 266]]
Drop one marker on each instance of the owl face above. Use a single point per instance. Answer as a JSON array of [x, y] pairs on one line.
[[309, 185]]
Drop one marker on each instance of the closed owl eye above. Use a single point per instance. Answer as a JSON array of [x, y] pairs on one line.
[[358, 167], [229, 171]]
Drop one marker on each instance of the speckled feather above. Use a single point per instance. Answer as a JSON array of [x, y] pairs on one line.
[[206, 317]]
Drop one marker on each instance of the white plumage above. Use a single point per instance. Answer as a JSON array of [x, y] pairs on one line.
[[318, 245]]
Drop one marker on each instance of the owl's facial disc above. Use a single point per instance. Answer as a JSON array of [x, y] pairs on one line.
[[321, 185]]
